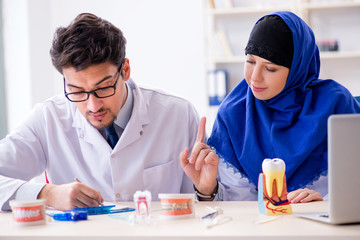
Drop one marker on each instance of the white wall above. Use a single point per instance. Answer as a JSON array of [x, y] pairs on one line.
[[165, 46], [16, 58]]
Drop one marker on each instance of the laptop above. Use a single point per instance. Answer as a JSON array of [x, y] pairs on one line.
[[343, 172]]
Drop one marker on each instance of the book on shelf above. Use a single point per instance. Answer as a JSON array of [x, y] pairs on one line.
[[212, 4], [222, 40], [216, 50], [219, 45], [228, 4], [219, 4]]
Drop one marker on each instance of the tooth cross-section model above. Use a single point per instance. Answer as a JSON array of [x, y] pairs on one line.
[[272, 192], [274, 170]]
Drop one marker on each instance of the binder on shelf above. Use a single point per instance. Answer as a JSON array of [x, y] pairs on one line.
[[217, 86]]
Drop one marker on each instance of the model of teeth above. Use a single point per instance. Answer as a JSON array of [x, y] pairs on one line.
[[274, 170]]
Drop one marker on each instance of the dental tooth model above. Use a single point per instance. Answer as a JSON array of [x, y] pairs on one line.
[[272, 192], [142, 200]]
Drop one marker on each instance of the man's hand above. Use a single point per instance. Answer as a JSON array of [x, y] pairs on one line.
[[69, 196], [202, 165]]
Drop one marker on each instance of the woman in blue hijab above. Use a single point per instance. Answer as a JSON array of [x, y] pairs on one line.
[[279, 110]]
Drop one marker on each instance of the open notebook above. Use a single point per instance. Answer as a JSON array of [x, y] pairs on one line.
[[344, 171]]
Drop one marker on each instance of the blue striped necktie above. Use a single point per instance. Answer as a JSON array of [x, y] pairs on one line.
[[113, 138]]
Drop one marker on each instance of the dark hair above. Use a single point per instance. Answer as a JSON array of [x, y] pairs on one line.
[[87, 41]]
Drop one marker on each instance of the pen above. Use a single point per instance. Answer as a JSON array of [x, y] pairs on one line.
[[78, 180], [104, 210]]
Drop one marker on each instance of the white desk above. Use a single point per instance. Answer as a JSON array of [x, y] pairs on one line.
[[243, 226]]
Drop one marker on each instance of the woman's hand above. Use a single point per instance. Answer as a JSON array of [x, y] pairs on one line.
[[304, 195]]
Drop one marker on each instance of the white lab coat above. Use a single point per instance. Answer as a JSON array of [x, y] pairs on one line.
[[57, 138]]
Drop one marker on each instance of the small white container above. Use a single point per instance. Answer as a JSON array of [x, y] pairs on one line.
[[177, 206], [27, 213]]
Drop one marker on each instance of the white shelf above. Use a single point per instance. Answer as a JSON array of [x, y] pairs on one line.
[[323, 55], [335, 5], [339, 55], [245, 10], [259, 9]]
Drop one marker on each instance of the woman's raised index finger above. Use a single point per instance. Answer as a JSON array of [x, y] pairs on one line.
[[201, 130]]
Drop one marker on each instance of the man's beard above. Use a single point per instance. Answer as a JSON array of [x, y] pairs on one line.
[[101, 125]]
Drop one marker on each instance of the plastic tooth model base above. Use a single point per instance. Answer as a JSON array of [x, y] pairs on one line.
[[272, 190]]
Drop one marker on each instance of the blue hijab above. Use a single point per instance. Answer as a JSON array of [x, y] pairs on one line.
[[291, 126]]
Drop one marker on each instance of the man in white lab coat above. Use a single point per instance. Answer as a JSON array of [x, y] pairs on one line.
[[69, 136]]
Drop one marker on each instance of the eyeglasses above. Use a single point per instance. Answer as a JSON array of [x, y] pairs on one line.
[[99, 93]]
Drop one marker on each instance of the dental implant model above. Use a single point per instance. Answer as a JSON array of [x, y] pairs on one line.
[[272, 192]]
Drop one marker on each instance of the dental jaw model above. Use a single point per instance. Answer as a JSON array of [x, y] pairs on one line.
[[272, 192]]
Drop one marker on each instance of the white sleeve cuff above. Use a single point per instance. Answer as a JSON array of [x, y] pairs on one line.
[[29, 191]]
